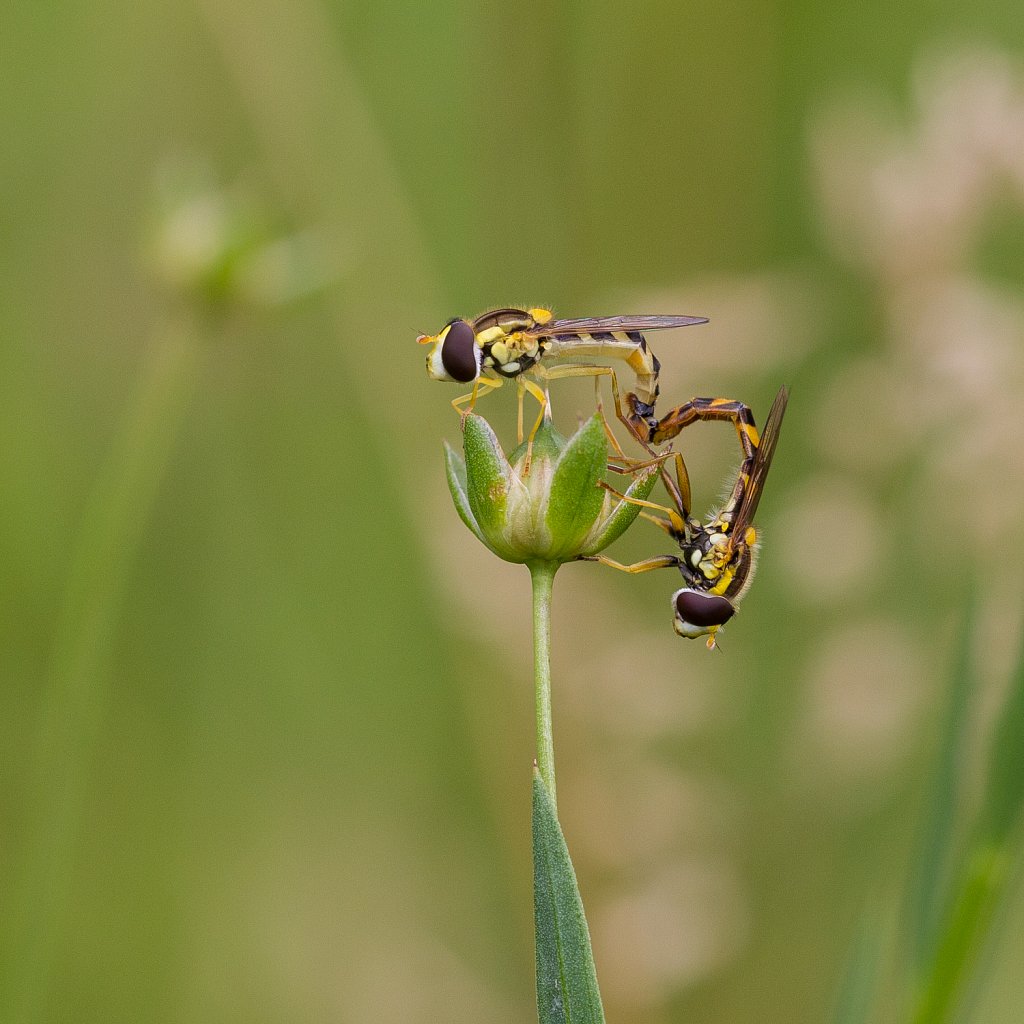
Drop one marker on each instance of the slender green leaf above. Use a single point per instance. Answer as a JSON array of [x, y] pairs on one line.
[[1004, 793], [928, 892], [859, 988], [982, 882], [567, 990], [981, 886]]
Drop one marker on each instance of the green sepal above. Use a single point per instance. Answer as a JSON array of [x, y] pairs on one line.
[[576, 500], [624, 514], [455, 469], [548, 443], [567, 991], [488, 476]]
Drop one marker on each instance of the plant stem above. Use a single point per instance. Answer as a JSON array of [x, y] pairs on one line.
[[542, 575]]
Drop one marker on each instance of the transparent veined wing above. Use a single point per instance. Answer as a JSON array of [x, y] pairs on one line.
[[608, 324], [762, 463]]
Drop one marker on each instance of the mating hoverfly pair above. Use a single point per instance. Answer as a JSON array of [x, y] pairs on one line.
[[716, 557]]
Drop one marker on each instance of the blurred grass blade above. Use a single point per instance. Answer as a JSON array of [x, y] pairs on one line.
[[75, 701], [978, 896], [983, 880], [928, 892], [860, 979], [1003, 809], [567, 990]]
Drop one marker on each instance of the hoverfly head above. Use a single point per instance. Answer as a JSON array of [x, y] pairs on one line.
[[455, 355], [698, 613]]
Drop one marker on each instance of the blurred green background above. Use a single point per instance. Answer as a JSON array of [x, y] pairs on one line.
[[267, 713]]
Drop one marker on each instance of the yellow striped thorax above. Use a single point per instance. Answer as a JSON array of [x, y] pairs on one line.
[[717, 562], [507, 342]]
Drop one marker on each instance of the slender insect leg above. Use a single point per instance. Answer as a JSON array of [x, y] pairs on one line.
[[545, 410], [737, 413], [670, 525], [677, 521], [678, 488], [481, 382], [608, 432], [545, 404], [658, 562], [676, 420], [635, 423], [662, 524], [635, 465], [598, 371]]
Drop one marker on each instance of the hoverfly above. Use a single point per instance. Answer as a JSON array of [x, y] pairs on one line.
[[529, 344], [717, 558]]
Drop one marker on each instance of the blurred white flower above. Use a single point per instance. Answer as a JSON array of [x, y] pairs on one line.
[[911, 207], [831, 538], [668, 931], [758, 322], [218, 243], [865, 688], [905, 203]]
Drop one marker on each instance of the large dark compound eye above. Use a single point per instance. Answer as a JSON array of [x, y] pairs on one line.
[[703, 610], [459, 352]]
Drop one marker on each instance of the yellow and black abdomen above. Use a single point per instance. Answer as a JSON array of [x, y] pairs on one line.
[[629, 347]]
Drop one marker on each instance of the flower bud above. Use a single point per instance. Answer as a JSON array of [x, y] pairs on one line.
[[551, 509]]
